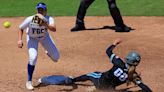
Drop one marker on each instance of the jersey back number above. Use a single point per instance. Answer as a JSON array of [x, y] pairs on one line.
[[120, 74]]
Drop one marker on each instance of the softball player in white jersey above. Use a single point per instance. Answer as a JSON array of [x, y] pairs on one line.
[[37, 34]]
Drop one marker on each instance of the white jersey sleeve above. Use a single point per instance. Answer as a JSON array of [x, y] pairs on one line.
[[25, 23], [51, 20]]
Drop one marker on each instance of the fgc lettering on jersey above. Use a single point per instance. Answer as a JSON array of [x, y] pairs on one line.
[[38, 30]]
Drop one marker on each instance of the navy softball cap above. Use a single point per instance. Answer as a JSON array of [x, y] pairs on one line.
[[41, 5]]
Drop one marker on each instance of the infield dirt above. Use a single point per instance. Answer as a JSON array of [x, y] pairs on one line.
[[83, 52]]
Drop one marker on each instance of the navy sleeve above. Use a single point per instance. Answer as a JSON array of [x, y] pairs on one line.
[[109, 50], [114, 58], [144, 87]]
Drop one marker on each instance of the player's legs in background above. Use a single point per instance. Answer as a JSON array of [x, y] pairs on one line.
[[50, 47], [116, 15], [32, 45], [79, 25]]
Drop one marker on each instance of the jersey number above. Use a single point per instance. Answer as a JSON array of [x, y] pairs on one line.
[[120, 74]]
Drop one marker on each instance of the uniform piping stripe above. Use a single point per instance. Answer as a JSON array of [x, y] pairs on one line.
[[111, 57], [95, 75]]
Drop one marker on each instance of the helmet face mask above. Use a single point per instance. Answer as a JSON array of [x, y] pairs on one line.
[[133, 58]]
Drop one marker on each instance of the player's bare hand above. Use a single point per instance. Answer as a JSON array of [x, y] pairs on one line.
[[20, 44], [117, 41]]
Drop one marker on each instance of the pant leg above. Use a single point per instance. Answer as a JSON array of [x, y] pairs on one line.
[[84, 4], [115, 13], [93, 77], [32, 45], [50, 47]]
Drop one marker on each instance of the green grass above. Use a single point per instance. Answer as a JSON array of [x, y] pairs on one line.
[[69, 7], [142, 7]]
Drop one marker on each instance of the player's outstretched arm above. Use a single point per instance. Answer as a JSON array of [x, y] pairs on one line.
[[117, 41], [144, 87], [111, 47]]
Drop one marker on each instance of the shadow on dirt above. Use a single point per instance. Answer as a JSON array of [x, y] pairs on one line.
[[104, 27], [75, 86]]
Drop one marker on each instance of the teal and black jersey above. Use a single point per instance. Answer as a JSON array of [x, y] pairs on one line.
[[117, 75]]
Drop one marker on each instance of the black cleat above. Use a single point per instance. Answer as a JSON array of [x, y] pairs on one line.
[[78, 28], [123, 29]]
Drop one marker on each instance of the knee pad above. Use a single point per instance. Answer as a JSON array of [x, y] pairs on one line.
[[32, 60], [32, 56]]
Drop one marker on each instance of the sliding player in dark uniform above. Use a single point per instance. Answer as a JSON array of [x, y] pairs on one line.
[[120, 72]]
